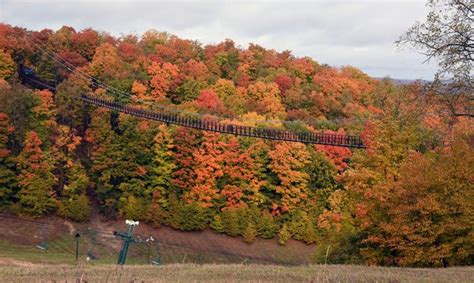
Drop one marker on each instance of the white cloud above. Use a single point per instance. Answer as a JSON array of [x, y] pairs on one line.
[[358, 33]]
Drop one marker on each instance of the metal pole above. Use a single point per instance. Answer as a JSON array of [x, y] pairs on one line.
[[126, 241], [78, 236], [148, 255], [127, 244]]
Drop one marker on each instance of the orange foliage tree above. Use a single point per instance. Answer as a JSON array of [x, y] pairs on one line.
[[163, 79], [287, 162], [36, 180], [7, 175]]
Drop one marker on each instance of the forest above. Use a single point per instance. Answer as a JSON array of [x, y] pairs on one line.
[[405, 200]]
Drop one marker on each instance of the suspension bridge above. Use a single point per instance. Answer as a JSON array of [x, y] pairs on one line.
[[194, 121]]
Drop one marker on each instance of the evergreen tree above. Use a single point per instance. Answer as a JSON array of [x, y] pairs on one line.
[[173, 212], [105, 155], [133, 207], [193, 217], [71, 111], [76, 208], [231, 222], [249, 233], [18, 104], [284, 235], [135, 164], [162, 167], [310, 233], [322, 179], [156, 215], [217, 225], [74, 203], [298, 225], [267, 227]]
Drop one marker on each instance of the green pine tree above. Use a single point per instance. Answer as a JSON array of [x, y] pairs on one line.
[[267, 226], [217, 225], [74, 203], [174, 212], [76, 208], [310, 234], [163, 166], [298, 225], [194, 217], [231, 222], [249, 233], [284, 235]]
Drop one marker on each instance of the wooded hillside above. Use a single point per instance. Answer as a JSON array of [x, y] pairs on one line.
[[406, 200]]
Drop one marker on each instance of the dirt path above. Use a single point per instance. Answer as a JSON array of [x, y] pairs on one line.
[[4, 261]]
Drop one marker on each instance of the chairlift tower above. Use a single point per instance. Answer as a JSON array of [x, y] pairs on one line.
[[127, 239]]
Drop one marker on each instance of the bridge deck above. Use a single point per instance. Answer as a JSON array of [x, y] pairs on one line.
[[216, 126]]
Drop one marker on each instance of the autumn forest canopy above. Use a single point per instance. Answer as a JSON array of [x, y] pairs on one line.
[[406, 200]]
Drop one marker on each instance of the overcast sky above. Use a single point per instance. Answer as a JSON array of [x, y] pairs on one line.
[[357, 33]]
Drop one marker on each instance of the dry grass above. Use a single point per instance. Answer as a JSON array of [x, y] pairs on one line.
[[15, 271]]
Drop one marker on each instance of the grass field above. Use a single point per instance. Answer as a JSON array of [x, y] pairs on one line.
[[26, 263], [193, 257], [15, 271]]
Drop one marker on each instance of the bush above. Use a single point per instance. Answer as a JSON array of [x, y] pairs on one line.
[[338, 247], [297, 225], [173, 212], [156, 215], [75, 208], [132, 207], [193, 217], [267, 226]]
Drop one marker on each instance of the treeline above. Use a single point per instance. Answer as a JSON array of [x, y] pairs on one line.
[[406, 200]]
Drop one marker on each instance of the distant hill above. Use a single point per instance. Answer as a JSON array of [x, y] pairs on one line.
[[401, 81]]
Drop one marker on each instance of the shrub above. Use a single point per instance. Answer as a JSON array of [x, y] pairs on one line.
[[75, 208], [267, 226]]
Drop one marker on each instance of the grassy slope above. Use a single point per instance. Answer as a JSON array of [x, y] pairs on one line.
[[230, 273], [20, 239]]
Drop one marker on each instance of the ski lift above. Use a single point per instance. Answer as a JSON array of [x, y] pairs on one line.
[[149, 242], [43, 245], [92, 241], [90, 256], [157, 259]]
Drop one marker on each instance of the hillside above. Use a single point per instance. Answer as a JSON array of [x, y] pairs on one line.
[[404, 200], [20, 242]]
